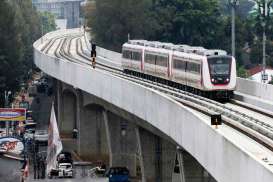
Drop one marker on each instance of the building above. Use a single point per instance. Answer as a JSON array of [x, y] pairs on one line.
[[256, 73], [68, 10]]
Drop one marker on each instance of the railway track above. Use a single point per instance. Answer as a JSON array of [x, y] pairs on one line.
[[256, 129]]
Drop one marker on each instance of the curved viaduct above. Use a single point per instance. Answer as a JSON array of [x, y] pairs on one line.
[[150, 125]]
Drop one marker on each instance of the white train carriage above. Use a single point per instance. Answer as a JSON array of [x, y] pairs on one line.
[[207, 72], [156, 62], [132, 57], [186, 69]]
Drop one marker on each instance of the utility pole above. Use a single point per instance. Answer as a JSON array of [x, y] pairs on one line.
[[233, 4], [7, 94], [264, 13]]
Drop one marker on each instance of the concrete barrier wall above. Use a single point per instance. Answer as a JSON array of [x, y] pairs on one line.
[[263, 91], [221, 157], [111, 55], [105, 56]]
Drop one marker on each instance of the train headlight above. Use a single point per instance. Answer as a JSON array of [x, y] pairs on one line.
[[212, 80], [227, 80]]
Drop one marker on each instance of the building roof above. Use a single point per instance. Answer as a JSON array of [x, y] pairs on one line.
[[257, 69]]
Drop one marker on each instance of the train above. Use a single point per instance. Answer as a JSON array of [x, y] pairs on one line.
[[207, 72]]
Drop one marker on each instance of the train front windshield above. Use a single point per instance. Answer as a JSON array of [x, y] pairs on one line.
[[219, 67]]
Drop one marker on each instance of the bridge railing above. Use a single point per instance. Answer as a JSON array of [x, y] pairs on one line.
[[256, 89]]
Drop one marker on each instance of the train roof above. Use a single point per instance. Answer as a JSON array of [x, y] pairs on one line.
[[180, 47]]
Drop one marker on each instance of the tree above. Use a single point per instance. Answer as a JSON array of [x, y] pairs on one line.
[[47, 21], [19, 28], [195, 22], [242, 11], [112, 21], [242, 72], [10, 48]]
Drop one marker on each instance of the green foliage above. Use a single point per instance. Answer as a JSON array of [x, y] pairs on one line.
[[257, 56], [242, 72], [112, 21], [19, 28], [192, 22], [47, 21], [242, 10]]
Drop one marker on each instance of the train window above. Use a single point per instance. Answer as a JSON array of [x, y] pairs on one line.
[[179, 64], [162, 61], [136, 56], [150, 59], [219, 65], [193, 67], [127, 54]]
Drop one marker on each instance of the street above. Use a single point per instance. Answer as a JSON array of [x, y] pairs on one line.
[[10, 170]]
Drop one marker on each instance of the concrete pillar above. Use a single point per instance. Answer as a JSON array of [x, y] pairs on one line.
[[158, 156], [108, 137], [140, 155], [168, 153], [59, 102], [191, 170], [181, 166], [123, 143], [92, 136], [69, 114], [78, 118]]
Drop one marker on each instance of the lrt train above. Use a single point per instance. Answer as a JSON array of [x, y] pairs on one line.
[[210, 73]]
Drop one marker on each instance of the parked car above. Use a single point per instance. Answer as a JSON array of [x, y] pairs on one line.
[[118, 174], [64, 167], [65, 170]]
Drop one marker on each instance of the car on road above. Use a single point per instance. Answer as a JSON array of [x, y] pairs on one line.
[[64, 167], [117, 174], [65, 170]]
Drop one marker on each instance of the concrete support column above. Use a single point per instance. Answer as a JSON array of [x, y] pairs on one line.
[[59, 102], [78, 118], [122, 143], [69, 113], [181, 166], [140, 156], [108, 137], [158, 156], [93, 142], [168, 153], [190, 170]]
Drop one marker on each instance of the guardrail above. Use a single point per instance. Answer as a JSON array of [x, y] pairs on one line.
[[253, 88]]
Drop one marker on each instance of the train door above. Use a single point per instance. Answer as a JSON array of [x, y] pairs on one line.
[[150, 61], [179, 68]]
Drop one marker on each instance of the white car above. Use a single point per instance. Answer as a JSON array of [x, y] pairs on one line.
[[41, 135], [65, 170]]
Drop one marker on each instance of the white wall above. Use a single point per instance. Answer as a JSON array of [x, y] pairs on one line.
[[253, 88]]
